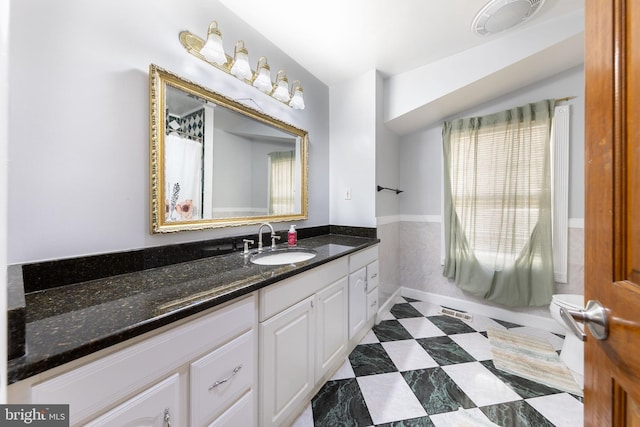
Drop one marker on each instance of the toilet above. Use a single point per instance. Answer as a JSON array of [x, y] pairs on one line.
[[572, 353]]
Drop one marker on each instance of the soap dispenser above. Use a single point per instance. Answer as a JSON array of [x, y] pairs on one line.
[[292, 236]]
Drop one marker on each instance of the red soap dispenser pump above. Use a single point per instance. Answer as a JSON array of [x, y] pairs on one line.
[[292, 236]]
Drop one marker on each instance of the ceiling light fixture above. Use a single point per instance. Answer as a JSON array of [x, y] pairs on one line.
[[500, 15], [212, 52]]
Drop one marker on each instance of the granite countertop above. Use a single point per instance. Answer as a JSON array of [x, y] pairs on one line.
[[68, 322]]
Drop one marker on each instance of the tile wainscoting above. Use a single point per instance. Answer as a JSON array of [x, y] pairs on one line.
[[410, 257], [389, 261]]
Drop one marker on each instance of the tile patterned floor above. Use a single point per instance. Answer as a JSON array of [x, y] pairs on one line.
[[421, 368]]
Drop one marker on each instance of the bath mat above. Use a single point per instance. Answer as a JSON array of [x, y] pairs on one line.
[[532, 358]]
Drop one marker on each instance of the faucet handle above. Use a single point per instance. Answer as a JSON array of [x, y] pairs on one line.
[[246, 242], [274, 237]]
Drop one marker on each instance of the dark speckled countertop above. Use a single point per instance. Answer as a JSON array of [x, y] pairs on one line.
[[67, 322]]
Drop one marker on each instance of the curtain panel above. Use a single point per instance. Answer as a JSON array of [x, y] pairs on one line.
[[282, 183], [497, 205]]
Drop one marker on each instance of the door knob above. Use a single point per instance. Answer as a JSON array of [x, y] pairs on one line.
[[594, 316]]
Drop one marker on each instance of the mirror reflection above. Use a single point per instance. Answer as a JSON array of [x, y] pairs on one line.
[[218, 162]]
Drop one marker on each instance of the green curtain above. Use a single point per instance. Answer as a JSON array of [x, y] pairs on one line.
[[282, 181], [497, 205]]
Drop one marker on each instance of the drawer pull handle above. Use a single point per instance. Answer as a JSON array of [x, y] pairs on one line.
[[233, 374], [373, 304], [373, 276]]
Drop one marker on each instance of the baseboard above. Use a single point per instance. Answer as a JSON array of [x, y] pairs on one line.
[[386, 307], [524, 319]]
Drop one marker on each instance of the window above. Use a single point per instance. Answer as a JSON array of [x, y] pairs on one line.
[[281, 182], [497, 205], [505, 181]]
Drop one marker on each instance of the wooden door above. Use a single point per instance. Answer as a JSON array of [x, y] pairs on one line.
[[612, 216]]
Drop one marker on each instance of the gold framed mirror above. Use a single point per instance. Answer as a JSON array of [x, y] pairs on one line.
[[215, 162]]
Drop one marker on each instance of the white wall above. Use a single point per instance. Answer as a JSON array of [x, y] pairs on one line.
[[387, 202], [421, 152], [387, 161], [4, 138], [353, 150], [78, 135]]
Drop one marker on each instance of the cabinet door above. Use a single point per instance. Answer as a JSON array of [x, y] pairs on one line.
[[357, 300], [154, 407], [287, 360], [332, 325]]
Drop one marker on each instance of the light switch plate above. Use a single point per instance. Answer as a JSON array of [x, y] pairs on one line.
[[347, 193]]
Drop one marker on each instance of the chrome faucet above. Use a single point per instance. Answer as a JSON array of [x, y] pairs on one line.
[[246, 242], [274, 236]]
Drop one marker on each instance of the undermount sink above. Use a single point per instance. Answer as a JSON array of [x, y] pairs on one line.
[[283, 256]]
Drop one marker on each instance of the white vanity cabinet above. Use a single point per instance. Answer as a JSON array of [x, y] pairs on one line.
[[303, 335], [187, 374], [254, 361], [363, 289]]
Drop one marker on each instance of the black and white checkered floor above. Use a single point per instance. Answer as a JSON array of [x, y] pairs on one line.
[[421, 368]]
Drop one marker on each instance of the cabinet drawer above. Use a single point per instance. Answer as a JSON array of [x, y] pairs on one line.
[[372, 275], [221, 378], [372, 303], [157, 406], [362, 258], [124, 372], [242, 413]]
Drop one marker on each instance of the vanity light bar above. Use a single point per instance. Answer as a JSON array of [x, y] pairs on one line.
[[211, 51]]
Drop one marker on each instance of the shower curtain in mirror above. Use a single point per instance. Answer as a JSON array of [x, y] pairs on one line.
[[183, 178], [281, 185], [497, 205]]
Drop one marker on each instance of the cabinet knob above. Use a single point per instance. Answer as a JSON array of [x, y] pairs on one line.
[[220, 382], [167, 418]]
